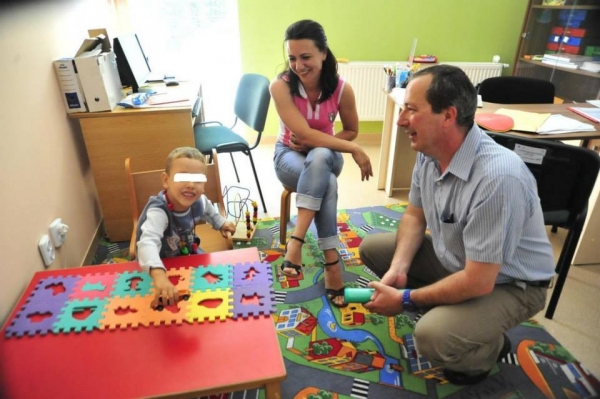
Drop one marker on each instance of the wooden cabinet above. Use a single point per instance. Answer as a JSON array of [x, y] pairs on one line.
[[569, 29], [147, 135]]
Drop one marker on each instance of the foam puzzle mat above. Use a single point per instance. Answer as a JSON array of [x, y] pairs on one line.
[[102, 301]]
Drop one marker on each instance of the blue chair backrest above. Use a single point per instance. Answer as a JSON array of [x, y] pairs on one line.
[[252, 100]]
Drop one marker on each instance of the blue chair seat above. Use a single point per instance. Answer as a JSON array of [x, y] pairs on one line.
[[220, 137], [251, 107]]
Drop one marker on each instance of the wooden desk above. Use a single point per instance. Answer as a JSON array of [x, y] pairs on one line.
[[146, 135], [397, 158], [560, 109], [176, 361]]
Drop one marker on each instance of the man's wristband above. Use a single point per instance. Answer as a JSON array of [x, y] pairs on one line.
[[407, 303]]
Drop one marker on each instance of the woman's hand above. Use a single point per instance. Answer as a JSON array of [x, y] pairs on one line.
[[296, 145], [364, 163]]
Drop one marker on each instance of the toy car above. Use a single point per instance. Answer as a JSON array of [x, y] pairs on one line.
[[183, 294]]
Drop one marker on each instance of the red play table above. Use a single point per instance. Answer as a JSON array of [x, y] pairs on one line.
[[175, 361]]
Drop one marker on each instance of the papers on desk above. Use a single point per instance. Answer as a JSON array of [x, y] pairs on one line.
[[592, 114], [557, 123], [544, 123], [151, 100], [524, 121]]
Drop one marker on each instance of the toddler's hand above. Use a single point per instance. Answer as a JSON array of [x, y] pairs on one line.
[[166, 294], [227, 227]]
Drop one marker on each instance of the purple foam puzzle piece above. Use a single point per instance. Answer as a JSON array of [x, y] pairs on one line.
[[23, 323], [44, 293], [252, 273], [266, 306], [45, 302]]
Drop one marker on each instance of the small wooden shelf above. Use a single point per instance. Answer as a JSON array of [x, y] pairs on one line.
[[573, 7], [570, 84], [575, 71]]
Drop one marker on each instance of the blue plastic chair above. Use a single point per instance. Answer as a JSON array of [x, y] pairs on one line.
[[251, 106]]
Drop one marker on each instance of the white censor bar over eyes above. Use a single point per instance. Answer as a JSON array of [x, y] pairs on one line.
[[190, 177]]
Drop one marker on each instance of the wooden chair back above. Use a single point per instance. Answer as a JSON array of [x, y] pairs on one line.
[[144, 184]]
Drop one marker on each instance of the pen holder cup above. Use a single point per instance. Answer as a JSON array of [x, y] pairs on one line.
[[390, 83], [402, 77]]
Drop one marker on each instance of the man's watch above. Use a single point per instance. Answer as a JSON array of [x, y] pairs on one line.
[[407, 303]]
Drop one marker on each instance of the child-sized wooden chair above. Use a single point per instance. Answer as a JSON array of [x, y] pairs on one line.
[[144, 184], [284, 213]]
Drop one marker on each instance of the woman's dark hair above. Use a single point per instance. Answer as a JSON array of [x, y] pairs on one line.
[[308, 29], [450, 86]]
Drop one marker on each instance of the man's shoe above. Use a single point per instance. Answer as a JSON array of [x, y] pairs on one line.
[[458, 378], [505, 348]]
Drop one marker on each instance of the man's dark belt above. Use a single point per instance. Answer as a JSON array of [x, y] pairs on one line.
[[541, 283]]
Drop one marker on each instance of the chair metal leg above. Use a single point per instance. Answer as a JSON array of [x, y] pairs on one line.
[[564, 263], [284, 217], [234, 168], [257, 183]]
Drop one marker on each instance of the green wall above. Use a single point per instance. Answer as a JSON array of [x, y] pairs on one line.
[[382, 30]]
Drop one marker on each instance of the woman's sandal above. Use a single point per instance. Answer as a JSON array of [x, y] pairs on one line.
[[286, 264], [331, 293]]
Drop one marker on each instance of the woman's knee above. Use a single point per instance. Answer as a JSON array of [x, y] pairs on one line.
[[321, 157]]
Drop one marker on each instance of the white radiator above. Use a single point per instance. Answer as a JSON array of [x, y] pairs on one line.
[[479, 71], [368, 80]]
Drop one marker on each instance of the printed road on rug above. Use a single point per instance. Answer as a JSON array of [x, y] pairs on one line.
[[351, 353], [346, 353]]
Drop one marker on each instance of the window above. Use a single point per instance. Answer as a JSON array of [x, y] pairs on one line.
[[195, 39]]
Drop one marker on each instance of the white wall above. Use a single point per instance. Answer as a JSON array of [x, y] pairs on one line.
[[45, 171]]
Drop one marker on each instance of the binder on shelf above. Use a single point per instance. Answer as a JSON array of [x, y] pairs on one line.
[[70, 86]]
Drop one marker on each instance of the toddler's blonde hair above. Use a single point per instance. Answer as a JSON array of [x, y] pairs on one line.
[[184, 152]]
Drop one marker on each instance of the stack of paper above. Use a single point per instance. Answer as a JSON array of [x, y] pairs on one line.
[[592, 114], [595, 103], [556, 124], [592, 66], [569, 61], [544, 123], [524, 121]]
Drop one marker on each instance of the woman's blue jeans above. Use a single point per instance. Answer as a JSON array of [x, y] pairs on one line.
[[314, 177]]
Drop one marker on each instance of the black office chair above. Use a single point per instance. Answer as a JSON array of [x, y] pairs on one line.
[[565, 179], [251, 106], [516, 90]]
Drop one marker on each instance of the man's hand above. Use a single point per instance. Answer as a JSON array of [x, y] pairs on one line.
[[386, 300], [165, 294], [394, 279]]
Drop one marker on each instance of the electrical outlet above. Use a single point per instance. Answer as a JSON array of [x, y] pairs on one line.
[[47, 250], [58, 232]]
